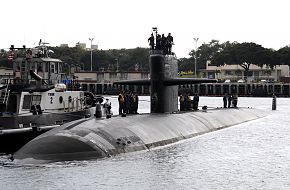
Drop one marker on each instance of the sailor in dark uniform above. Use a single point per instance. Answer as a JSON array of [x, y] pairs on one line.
[[225, 99], [235, 100], [181, 100], [195, 101], [163, 44], [151, 41], [169, 43], [121, 99], [158, 42], [230, 101]]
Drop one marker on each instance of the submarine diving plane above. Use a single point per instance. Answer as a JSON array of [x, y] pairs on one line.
[[99, 137]]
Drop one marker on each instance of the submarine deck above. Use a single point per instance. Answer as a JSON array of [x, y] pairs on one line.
[[94, 138]]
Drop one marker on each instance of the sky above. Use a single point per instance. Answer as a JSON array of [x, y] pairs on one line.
[[116, 24]]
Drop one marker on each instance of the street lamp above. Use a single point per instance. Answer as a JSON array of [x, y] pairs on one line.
[[195, 56], [91, 39], [117, 60]]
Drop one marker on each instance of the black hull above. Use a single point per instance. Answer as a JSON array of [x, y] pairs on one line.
[[11, 142], [19, 130], [96, 138]]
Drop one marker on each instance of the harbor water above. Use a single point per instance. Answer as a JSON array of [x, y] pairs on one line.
[[252, 155]]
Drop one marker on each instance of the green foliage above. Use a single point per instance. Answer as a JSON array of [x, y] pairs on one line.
[[283, 55], [128, 59], [245, 54], [206, 52], [185, 64]]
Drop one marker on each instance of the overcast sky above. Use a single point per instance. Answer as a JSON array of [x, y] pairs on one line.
[[116, 24]]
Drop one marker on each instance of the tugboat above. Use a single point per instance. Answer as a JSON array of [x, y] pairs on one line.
[[34, 101]]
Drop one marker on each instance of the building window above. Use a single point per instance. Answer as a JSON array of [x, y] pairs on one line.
[[144, 75], [113, 76], [124, 76], [52, 67], [100, 77], [228, 72], [56, 67], [46, 66]]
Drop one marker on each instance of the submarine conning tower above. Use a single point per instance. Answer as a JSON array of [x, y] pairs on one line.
[[164, 98], [164, 82]]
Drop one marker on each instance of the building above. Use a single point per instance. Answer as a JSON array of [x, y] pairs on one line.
[[5, 75], [63, 45], [94, 47], [236, 72], [81, 45]]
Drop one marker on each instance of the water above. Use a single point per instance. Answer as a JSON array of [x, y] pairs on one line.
[[252, 155]]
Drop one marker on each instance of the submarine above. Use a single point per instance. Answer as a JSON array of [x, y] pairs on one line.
[[100, 136]]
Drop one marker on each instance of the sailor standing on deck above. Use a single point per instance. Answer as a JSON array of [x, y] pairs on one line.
[[158, 42], [181, 100], [135, 103], [169, 43], [151, 41], [107, 106], [235, 100], [230, 98], [121, 99], [225, 99], [163, 44], [195, 101]]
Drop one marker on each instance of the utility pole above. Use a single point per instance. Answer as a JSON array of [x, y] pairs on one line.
[[117, 65], [195, 56], [91, 39]]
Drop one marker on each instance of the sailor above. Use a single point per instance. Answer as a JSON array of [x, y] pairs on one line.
[[158, 42], [195, 101], [107, 106], [135, 103], [163, 44], [121, 99], [185, 102], [225, 99], [127, 102], [235, 100], [169, 43], [181, 100], [188, 102], [151, 41], [132, 103], [230, 98]]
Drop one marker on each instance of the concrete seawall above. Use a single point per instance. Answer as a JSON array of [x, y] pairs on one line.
[[97, 138]]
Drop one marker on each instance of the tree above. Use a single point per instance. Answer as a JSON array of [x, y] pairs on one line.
[[185, 64], [244, 54], [283, 55], [205, 53]]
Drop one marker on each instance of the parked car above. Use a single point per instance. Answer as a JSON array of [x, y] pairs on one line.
[[227, 81], [241, 81]]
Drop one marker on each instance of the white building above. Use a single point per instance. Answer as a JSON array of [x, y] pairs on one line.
[[236, 72], [110, 76]]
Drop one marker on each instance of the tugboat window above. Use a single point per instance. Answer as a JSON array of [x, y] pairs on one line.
[[46, 66], [60, 99], [31, 100]]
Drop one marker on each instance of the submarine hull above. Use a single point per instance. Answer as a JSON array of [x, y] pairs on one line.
[[95, 138]]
